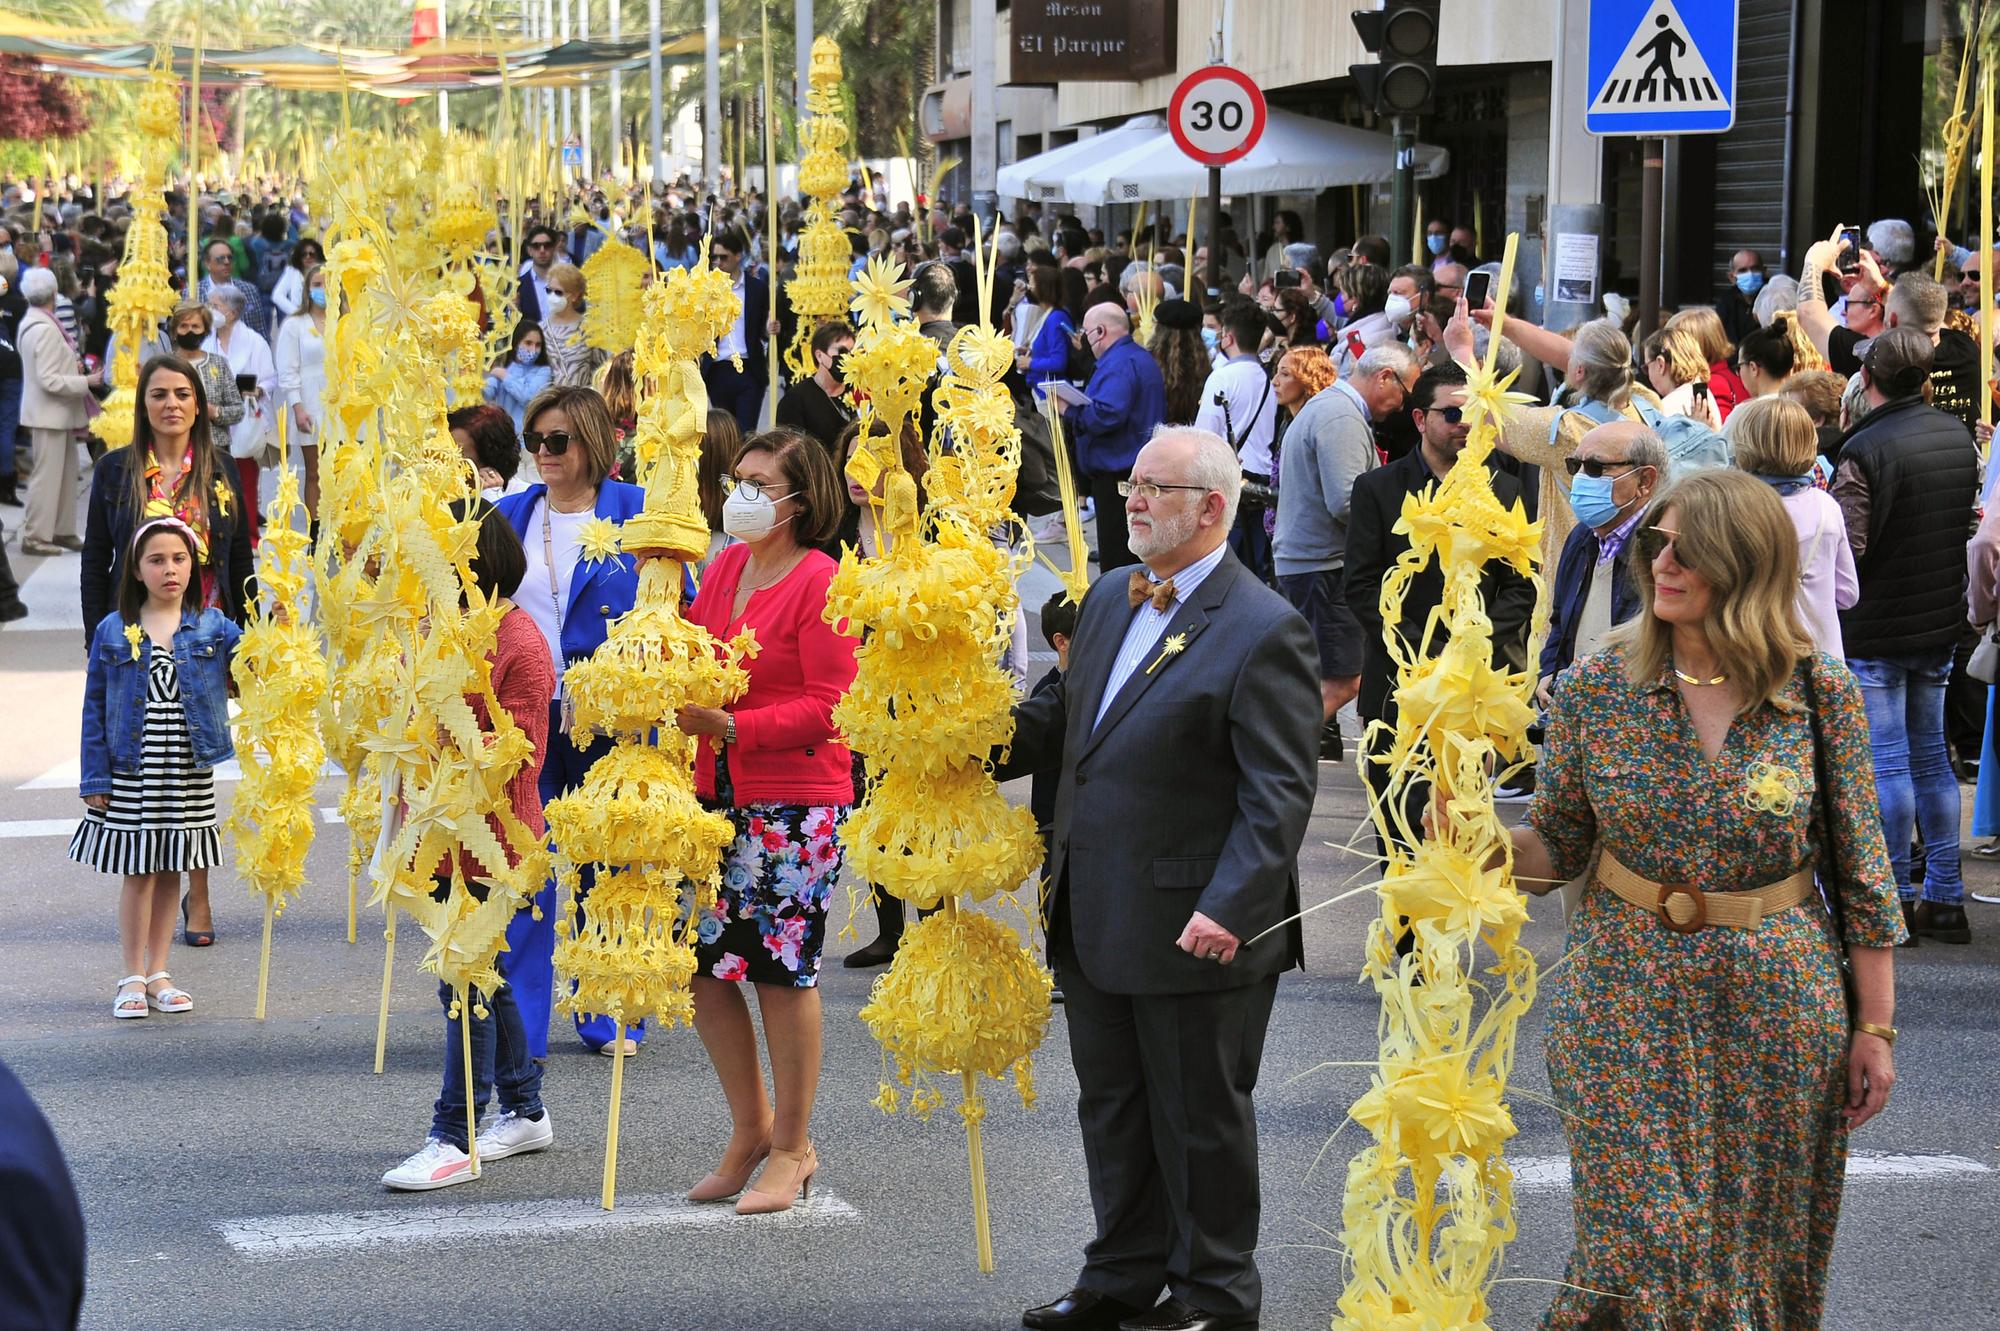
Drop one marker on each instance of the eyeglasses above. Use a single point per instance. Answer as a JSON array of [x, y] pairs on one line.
[[754, 489], [555, 441], [1450, 415], [1852, 302], [541, 244], [1594, 468], [1655, 541], [1151, 490]]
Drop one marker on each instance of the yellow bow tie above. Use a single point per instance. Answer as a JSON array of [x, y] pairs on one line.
[[1143, 588]]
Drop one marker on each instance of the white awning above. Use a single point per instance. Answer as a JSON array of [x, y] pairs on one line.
[[1296, 155], [1040, 178]]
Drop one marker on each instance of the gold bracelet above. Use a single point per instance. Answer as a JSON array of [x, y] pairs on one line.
[[1882, 1032]]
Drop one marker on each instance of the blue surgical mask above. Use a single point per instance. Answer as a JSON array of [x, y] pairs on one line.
[[1434, 242], [319, 297], [1208, 339], [1749, 281], [1590, 497]]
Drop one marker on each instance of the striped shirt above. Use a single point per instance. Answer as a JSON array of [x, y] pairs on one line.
[[1143, 633]]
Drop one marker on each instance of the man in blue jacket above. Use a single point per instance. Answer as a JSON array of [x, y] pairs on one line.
[[1616, 468], [1128, 400]]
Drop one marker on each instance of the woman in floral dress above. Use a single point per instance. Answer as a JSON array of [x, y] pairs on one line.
[[775, 764], [1708, 1075]]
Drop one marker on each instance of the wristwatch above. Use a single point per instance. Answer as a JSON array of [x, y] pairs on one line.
[[1884, 1032]]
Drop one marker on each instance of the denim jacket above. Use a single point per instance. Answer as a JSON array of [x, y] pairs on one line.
[[114, 696]]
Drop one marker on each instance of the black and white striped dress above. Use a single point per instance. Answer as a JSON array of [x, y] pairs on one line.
[[161, 819]]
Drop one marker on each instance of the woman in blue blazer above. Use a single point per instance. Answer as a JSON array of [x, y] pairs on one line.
[[573, 599]]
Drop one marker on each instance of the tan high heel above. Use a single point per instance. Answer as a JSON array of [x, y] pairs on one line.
[[720, 1187], [787, 1177]]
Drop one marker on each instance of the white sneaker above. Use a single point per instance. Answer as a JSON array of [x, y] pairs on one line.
[[1048, 529], [1989, 895], [438, 1165], [510, 1134], [1087, 510]]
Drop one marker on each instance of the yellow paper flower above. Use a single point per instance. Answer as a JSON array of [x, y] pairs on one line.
[[878, 294], [1175, 644], [599, 538], [133, 635]]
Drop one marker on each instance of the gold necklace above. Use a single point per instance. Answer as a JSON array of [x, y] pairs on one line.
[[1685, 678]]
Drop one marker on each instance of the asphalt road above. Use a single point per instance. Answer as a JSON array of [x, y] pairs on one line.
[[229, 1167]]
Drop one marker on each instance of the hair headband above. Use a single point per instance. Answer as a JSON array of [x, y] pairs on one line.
[[170, 522]]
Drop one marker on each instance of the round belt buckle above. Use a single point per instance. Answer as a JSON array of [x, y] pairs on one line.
[[1683, 919]]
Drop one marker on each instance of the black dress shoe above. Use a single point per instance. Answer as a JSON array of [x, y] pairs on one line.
[[1179, 1315], [1942, 922], [1332, 748], [878, 953], [1080, 1310], [1910, 924]]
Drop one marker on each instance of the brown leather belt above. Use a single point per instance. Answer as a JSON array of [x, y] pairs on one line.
[[1688, 910]]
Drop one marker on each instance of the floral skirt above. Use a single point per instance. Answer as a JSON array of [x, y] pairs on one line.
[[768, 923]]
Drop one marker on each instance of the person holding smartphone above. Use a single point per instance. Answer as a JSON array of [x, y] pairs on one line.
[[255, 371]]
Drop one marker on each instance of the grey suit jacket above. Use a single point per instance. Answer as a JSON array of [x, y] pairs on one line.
[[1194, 792]]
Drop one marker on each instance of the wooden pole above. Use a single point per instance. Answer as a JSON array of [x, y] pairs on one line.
[[264, 958], [465, 1046], [194, 208], [617, 1097], [770, 216], [1986, 249], [382, 1012]]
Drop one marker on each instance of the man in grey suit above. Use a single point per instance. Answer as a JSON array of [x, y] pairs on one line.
[[1185, 734]]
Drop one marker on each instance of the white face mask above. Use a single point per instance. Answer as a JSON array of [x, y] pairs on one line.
[[750, 517], [1398, 309], [558, 302]]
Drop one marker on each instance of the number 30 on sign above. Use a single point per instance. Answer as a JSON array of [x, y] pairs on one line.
[[1216, 115]]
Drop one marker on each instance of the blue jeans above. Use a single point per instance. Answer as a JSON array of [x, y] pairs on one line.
[[10, 422], [499, 1062], [1913, 777]]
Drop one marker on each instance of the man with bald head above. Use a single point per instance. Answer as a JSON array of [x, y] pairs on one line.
[[1128, 400], [1184, 735], [1613, 472]]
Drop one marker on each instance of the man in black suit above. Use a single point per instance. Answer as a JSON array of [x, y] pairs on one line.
[[1436, 405], [542, 245], [1185, 735], [741, 392]]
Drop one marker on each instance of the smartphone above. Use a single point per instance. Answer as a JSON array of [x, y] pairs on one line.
[[1478, 290], [1850, 248], [1285, 278], [246, 383]]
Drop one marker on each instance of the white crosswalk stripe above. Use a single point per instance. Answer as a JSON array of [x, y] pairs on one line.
[[282, 1237], [1550, 1173], [30, 828]]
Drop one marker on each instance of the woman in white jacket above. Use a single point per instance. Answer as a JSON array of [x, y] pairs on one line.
[[302, 378], [1773, 439], [289, 296], [249, 356]]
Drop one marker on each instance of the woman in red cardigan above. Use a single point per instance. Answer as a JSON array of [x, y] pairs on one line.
[[775, 763]]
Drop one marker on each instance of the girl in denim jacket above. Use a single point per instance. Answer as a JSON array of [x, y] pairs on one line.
[[155, 724]]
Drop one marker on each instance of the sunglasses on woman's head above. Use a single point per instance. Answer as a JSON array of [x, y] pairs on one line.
[[555, 441], [1594, 468]]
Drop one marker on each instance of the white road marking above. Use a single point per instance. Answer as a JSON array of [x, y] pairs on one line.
[[283, 1237], [62, 827], [1548, 1173]]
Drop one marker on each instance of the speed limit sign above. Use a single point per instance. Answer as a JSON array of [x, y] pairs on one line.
[[1217, 115]]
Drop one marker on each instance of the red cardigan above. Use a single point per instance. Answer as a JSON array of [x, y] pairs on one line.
[[524, 683], [787, 750]]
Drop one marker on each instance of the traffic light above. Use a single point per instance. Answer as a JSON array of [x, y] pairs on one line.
[[1403, 34]]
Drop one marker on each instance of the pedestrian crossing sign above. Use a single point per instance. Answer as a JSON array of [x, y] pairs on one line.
[[1662, 67]]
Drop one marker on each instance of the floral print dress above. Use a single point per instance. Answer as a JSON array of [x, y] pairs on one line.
[[1701, 1076], [768, 923]]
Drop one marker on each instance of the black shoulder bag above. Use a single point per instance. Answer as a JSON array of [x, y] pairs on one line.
[[1829, 867]]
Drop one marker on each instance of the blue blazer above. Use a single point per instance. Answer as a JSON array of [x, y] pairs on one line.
[[605, 588]]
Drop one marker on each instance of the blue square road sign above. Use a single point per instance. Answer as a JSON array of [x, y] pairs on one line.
[[1662, 67]]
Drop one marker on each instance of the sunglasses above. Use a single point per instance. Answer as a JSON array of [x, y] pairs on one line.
[[1655, 541], [1593, 468], [1450, 415], [555, 441]]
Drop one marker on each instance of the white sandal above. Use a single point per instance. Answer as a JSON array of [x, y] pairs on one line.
[[125, 995], [168, 999]]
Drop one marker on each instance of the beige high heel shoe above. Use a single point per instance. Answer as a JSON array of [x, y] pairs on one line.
[[787, 1178], [720, 1187]]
